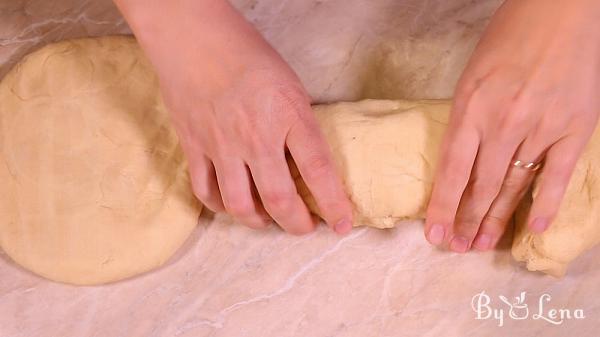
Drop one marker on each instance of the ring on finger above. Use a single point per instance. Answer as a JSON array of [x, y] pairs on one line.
[[531, 166]]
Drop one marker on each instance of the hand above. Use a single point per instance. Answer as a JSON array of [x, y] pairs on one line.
[[237, 106], [530, 92]]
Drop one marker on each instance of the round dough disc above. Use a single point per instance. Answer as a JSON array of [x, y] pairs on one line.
[[94, 184]]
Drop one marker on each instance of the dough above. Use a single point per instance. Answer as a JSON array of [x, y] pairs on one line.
[[386, 153], [576, 227], [96, 187], [94, 184]]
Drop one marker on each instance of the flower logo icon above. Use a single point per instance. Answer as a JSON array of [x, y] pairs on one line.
[[518, 309]]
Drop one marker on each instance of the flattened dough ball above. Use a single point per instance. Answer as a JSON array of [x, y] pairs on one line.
[[94, 184]]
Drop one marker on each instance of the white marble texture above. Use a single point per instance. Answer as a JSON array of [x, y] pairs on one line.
[[232, 281]]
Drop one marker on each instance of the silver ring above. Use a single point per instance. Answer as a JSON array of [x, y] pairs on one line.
[[525, 165]]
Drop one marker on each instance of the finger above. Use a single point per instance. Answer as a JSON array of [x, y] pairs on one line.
[[310, 152], [498, 217], [485, 182], [559, 164], [278, 194], [496, 220], [458, 152], [258, 202], [236, 190], [515, 184], [204, 182]]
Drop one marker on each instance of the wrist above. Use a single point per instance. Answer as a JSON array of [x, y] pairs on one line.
[[152, 18], [206, 39], [200, 29]]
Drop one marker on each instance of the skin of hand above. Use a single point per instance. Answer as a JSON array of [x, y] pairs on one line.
[[530, 92], [237, 108]]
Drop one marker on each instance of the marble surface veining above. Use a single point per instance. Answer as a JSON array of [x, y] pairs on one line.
[[229, 280]]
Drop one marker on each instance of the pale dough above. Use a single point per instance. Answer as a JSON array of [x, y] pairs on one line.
[[94, 184], [386, 153], [95, 187], [576, 227]]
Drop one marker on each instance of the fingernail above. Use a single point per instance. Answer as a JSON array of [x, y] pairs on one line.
[[436, 234], [459, 244], [539, 225], [483, 242], [343, 227]]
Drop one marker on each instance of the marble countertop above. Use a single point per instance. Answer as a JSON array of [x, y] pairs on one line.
[[229, 280]]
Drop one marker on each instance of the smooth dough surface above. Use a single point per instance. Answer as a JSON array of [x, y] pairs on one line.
[[386, 153], [94, 185]]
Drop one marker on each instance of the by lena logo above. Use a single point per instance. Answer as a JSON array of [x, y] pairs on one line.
[[518, 309]]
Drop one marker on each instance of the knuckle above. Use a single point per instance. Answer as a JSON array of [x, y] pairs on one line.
[[209, 200], [560, 173], [260, 145], [552, 126], [240, 207], [317, 166], [454, 167], [282, 99], [336, 205], [300, 230], [246, 128], [551, 197], [260, 224], [467, 227], [292, 95], [563, 178], [277, 200], [512, 121], [454, 176], [220, 144], [485, 187], [202, 192], [513, 184], [495, 223]]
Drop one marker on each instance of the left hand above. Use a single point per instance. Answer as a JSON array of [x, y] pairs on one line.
[[530, 92]]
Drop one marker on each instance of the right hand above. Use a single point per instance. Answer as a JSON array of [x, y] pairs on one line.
[[237, 106]]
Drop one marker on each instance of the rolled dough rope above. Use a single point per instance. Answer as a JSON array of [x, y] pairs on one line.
[[94, 184], [386, 153]]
